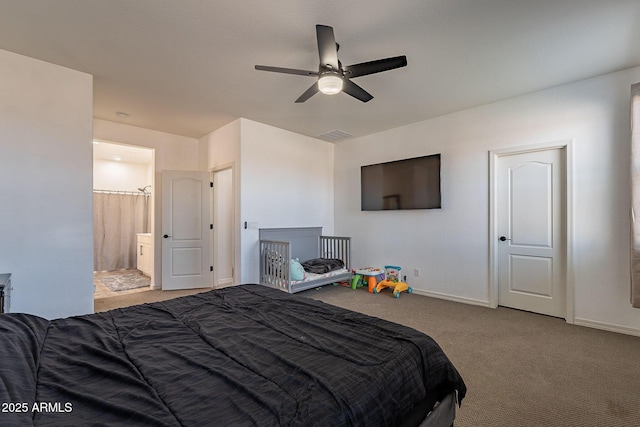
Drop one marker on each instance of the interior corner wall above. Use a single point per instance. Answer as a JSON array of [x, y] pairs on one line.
[[450, 246], [282, 179], [287, 181], [46, 221]]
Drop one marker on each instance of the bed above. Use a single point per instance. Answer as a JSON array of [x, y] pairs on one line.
[[278, 246], [243, 355]]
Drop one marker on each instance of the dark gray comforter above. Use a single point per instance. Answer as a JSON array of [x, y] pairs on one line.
[[246, 355]]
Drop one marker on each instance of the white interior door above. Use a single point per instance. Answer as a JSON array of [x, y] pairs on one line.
[[223, 227], [532, 242], [186, 233]]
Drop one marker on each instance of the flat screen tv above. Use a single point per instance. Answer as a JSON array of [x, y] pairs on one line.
[[403, 184]]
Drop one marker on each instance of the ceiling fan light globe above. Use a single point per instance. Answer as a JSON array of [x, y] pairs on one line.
[[330, 84]]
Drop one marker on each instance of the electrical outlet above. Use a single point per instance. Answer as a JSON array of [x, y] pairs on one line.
[[416, 272]]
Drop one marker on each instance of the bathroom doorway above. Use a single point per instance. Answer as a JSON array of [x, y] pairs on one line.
[[123, 183]]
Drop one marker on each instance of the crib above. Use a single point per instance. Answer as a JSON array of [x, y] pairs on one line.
[[279, 245]]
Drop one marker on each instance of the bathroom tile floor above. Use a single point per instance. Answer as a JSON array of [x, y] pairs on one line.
[[102, 291]]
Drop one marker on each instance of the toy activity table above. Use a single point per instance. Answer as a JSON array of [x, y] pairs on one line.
[[370, 273]]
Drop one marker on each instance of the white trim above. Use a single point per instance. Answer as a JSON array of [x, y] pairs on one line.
[[611, 327], [222, 167], [463, 300], [567, 145], [493, 235], [224, 283], [570, 232], [235, 241]]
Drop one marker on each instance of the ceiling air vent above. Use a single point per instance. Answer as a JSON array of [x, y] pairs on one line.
[[334, 135]]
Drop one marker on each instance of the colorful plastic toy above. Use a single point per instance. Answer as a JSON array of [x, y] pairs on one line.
[[392, 280], [370, 273]]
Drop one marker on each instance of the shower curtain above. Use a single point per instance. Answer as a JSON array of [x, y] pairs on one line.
[[116, 220]]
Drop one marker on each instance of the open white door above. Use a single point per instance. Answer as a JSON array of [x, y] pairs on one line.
[[186, 230]]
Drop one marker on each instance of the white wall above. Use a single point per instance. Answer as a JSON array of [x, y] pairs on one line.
[[450, 246], [287, 181], [46, 223], [120, 176], [223, 145], [171, 152], [283, 179]]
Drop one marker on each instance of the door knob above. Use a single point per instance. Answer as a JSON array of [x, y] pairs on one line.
[[166, 236], [502, 238]]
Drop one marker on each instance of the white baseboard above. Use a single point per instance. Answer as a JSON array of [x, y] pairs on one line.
[[611, 327], [453, 298], [224, 282]]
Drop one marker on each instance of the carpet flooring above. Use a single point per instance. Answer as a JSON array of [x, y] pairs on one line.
[[521, 369], [145, 296]]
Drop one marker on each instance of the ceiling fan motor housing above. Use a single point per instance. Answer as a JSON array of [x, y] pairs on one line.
[[332, 76], [330, 82]]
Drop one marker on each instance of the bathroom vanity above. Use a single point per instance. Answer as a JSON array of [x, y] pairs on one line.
[[144, 252]]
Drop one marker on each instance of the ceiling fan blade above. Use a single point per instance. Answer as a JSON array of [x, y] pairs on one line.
[[327, 48], [287, 70], [308, 93], [373, 67], [356, 91]]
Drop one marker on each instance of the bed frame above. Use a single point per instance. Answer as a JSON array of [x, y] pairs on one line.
[[279, 245]]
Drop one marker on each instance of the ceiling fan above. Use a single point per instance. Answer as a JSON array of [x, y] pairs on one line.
[[332, 76]]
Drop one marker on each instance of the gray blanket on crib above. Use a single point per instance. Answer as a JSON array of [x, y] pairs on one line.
[[322, 265]]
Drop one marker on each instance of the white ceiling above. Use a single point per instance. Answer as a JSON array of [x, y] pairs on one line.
[[187, 66]]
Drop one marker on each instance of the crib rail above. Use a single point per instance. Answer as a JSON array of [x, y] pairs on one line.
[[274, 263], [336, 247], [275, 256]]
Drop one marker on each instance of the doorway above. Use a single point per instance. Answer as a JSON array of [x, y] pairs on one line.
[[223, 227], [530, 229], [123, 182]]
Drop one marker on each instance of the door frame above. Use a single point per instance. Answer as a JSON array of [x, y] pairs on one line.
[[494, 157], [153, 209], [214, 239]]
